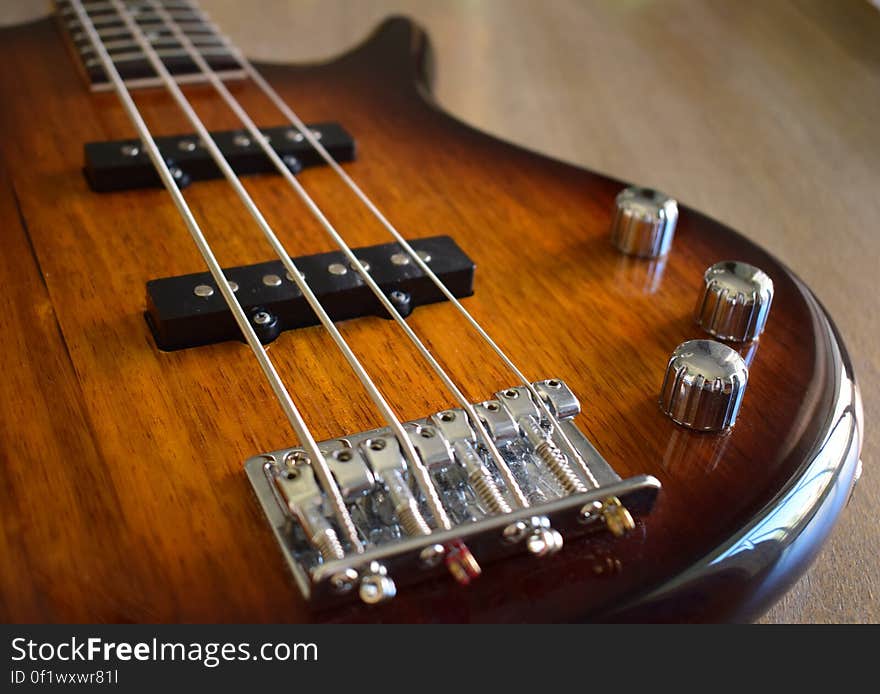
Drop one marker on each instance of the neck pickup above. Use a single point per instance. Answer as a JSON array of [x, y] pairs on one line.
[[124, 164]]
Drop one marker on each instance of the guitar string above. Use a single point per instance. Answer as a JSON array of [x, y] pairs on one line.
[[354, 262], [293, 415], [419, 471], [301, 127]]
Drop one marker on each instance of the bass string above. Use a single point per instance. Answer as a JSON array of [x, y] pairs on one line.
[[354, 262], [301, 127], [418, 468], [281, 393]]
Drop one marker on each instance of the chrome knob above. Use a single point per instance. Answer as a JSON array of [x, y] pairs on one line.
[[644, 222], [735, 302], [704, 385]]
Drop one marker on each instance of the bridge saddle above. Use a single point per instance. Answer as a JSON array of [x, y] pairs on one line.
[[567, 496]]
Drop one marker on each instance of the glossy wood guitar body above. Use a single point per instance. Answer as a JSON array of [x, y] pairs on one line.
[[121, 484]]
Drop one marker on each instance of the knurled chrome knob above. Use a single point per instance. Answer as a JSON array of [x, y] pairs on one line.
[[735, 302], [644, 222], [704, 385]]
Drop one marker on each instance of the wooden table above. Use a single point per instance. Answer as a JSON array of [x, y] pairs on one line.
[[762, 113]]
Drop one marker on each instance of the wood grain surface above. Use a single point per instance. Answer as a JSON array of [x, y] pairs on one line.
[[761, 114]]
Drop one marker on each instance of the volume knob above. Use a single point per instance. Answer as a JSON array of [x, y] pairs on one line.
[[735, 302], [644, 222], [704, 385]]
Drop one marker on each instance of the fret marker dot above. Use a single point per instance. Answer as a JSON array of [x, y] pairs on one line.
[[271, 280]]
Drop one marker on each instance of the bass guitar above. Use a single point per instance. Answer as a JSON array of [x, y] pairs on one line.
[[290, 343]]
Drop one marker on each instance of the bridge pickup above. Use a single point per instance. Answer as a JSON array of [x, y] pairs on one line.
[[124, 164], [189, 311]]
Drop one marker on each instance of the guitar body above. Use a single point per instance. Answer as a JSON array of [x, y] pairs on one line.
[[123, 493]]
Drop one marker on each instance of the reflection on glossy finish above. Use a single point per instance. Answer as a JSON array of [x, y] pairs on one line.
[[747, 351], [747, 574], [643, 275], [691, 453]]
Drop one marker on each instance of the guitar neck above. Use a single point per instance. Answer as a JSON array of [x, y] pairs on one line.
[[128, 56]]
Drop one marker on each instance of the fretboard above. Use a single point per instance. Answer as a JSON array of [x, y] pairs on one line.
[[131, 62]]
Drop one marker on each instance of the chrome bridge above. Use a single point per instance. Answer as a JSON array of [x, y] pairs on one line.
[[566, 489]]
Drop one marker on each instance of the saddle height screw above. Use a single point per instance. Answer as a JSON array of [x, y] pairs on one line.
[[480, 478], [551, 456], [405, 505]]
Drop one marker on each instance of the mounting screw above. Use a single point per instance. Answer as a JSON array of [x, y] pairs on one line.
[[432, 555], [590, 512], [377, 444], [515, 532], [181, 178], [343, 581], [266, 324], [401, 301], [543, 542], [292, 163], [377, 586]]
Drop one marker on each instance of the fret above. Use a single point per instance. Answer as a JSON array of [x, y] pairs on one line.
[[134, 83], [158, 42], [133, 56], [133, 65], [96, 8], [112, 32], [147, 24]]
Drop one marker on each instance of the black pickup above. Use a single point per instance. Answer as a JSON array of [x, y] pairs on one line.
[[188, 310], [124, 165]]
